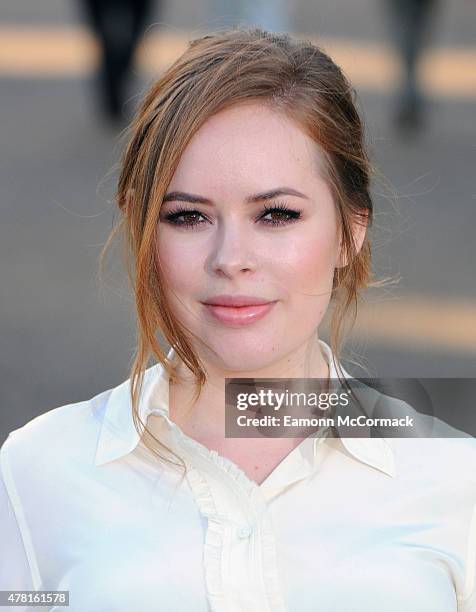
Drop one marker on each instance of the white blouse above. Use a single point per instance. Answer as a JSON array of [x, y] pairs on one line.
[[341, 524]]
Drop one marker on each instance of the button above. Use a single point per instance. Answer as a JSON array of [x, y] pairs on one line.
[[245, 531]]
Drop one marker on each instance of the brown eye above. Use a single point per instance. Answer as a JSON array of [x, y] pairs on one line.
[[191, 218], [280, 215]]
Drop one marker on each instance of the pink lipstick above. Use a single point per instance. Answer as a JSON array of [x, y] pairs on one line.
[[238, 310]]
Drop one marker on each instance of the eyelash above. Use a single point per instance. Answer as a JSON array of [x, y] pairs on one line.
[[281, 207]]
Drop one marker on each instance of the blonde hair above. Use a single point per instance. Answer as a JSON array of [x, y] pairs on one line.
[[222, 69]]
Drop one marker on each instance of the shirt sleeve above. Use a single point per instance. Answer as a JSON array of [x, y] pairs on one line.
[[469, 603], [15, 574]]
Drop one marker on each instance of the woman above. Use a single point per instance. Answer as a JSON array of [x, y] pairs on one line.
[[245, 197]]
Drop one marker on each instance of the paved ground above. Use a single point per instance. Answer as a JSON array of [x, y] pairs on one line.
[[64, 338]]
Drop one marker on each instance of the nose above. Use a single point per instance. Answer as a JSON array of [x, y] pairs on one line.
[[232, 251]]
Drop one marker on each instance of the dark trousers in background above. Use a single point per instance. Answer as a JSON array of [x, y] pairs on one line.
[[118, 25], [410, 24]]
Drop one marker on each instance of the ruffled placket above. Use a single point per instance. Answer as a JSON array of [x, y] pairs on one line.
[[240, 560]]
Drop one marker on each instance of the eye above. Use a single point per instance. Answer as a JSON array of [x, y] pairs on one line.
[[282, 215], [191, 217]]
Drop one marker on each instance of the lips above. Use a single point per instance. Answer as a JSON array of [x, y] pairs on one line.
[[239, 315], [236, 300]]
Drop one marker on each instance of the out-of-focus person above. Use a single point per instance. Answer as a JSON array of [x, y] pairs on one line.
[[118, 25], [409, 26], [272, 15]]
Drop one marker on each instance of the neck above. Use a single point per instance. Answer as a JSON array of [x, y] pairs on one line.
[[206, 416]]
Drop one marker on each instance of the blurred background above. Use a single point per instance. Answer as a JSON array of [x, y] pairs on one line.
[[71, 75]]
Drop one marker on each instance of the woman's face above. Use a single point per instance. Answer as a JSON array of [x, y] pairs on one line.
[[218, 235]]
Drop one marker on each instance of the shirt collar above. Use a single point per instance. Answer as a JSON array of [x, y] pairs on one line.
[[375, 452], [118, 435]]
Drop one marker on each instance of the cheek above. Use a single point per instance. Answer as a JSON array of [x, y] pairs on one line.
[[179, 263], [309, 288], [308, 265]]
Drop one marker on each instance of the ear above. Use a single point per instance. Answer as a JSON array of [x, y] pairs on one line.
[[359, 229]]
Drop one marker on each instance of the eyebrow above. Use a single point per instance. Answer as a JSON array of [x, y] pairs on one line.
[[181, 196]]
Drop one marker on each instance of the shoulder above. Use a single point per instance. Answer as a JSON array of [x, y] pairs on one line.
[[51, 442], [424, 446], [450, 456], [434, 450]]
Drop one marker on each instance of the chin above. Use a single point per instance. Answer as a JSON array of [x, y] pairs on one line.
[[241, 356], [245, 365]]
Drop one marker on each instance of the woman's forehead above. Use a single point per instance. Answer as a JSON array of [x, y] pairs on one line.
[[248, 141]]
